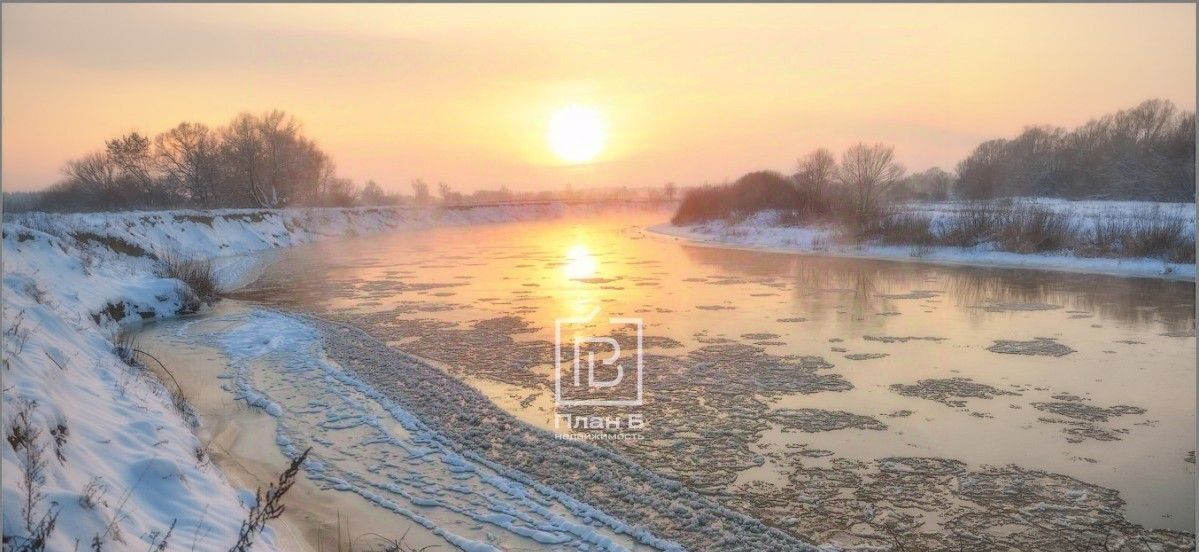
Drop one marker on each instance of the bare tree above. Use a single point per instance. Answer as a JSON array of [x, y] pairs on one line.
[[814, 178], [341, 192], [933, 184], [1146, 152], [670, 190], [420, 191], [242, 152], [372, 193], [816, 170], [188, 156], [282, 152], [867, 173], [133, 156], [93, 175]]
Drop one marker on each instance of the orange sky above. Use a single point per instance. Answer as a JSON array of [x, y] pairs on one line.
[[464, 93]]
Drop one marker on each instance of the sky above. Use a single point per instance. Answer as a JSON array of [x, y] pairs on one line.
[[686, 93]]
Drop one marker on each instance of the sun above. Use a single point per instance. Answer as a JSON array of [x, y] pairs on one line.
[[577, 133]]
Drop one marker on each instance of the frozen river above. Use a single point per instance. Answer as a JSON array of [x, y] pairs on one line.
[[835, 400]]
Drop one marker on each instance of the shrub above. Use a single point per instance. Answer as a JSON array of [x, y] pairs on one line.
[[198, 275], [967, 227], [1035, 229], [1155, 237], [756, 191], [702, 204], [1145, 234], [898, 228]]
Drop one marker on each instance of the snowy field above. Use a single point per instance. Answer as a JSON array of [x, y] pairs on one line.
[[763, 231], [111, 459]]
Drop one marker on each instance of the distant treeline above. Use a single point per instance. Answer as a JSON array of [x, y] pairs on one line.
[[254, 161], [1145, 153]]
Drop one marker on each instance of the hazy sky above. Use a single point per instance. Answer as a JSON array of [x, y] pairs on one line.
[[464, 93]]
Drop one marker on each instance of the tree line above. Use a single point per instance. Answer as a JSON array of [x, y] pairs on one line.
[[262, 160], [254, 161], [1145, 153], [851, 190]]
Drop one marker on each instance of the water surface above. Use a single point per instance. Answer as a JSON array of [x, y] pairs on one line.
[[795, 388]]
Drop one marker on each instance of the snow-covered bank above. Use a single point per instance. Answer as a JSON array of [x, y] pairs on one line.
[[112, 458], [764, 231]]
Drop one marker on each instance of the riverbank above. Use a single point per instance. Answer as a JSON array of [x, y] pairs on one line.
[[765, 231], [240, 440], [111, 456]]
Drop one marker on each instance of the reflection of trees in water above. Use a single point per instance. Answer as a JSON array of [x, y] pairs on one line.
[[1136, 301], [821, 283]]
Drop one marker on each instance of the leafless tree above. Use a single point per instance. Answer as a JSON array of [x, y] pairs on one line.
[[341, 192], [420, 191], [372, 194], [188, 156], [243, 153], [1146, 152], [816, 171], [867, 173], [281, 149], [933, 184], [134, 158], [93, 175]]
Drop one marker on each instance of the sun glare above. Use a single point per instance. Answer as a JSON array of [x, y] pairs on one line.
[[577, 133], [580, 263]]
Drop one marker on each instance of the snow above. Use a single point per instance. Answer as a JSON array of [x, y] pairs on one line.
[[278, 363], [762, 231], [66, 293]]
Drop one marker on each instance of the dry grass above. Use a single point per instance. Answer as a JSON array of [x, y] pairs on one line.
[[197, 274], [124, 345], [1157, 237], [1147, 234], [268, 505], [25, 440], [1006, 225], [967, 227], [1035, 229], [898, 228]]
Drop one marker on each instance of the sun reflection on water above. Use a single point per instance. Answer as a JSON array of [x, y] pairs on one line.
[[580, 263], [580, 266]]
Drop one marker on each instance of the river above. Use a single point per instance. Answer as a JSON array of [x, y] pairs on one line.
[[835, 400]]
